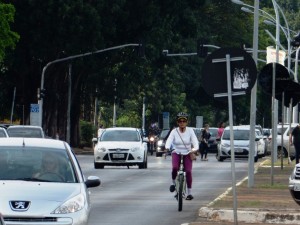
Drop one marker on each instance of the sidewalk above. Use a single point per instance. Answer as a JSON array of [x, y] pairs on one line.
[[266, 203]]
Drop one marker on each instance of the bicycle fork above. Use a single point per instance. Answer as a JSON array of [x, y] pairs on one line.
[[181, 183]]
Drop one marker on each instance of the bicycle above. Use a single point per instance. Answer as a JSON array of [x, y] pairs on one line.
[[180, 181], [180, 186]]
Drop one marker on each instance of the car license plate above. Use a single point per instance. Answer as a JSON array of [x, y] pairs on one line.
[[118, 156], [238, 150], [296, 187]]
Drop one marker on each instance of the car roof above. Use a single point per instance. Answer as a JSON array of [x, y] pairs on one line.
[[122, 128], [33, 142], [241, 127]]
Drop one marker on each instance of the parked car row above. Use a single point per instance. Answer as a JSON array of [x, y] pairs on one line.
[[284, 132], [22, 131]]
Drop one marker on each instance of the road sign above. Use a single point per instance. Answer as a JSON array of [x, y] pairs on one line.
[[35, 114], [243, 72], [266, 76]]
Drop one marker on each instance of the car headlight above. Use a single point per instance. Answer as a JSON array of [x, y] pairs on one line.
[[72, 205], [135, 149], [225, 145], [160, 142], [102, 149]]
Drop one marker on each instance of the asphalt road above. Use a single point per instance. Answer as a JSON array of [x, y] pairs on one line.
[[141, 196]]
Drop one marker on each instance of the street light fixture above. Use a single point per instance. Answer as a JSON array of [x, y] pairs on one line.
[[69, 59]]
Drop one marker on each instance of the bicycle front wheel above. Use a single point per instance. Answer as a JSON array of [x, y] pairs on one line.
[[180, 191]]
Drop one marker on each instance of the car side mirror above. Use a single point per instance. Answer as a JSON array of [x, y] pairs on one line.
[[95, 140], [257, 139]]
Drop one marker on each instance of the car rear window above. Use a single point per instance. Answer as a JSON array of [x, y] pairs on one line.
[[24, 132]]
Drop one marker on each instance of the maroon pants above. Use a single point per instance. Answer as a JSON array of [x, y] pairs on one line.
[[188, 164]]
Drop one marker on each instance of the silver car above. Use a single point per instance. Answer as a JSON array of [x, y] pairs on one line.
[[42, 183], [25, 131], [3, 133]]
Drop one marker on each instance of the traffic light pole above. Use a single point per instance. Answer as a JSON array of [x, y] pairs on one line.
[[41, 101]]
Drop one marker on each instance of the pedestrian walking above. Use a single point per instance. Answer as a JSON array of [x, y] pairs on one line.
[[295, 140], [205, 135]]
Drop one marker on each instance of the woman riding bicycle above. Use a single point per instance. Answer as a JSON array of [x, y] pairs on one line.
[[182, 139]]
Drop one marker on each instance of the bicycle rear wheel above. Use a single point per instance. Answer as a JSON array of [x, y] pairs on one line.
[[180, 191]]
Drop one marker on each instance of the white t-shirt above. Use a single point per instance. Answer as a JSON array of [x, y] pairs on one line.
[[188, 137]]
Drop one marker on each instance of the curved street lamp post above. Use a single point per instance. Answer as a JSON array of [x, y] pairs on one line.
[[40, 102]]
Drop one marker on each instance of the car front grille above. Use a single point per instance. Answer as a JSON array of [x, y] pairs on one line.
[[30, 220]]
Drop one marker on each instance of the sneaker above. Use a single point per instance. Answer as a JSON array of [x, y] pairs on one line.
[[172, 188], [189, 197]]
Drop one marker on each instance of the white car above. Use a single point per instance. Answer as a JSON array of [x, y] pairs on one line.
[[25, 131], [241, 143], [120, 146], [1, 220], [31, 193], [294, 184], [3, 133], [286, 144]]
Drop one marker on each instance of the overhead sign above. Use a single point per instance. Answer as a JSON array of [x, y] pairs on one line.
[[242, 69]]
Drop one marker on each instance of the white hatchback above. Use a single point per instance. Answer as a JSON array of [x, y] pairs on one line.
[[241, 143], [120, 146]]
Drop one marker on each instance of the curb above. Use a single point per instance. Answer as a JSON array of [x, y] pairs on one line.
[[251, 216]]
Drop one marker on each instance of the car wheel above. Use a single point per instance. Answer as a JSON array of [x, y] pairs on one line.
[[158, 154], [285, 154], [98, 165], [255, 158], [144, 164]]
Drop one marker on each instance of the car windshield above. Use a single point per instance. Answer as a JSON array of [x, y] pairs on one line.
[[280, 130], [36, 164], [163, 134], [120, 135], [238, 134], [24, 132], [2, 133], [213, 132]]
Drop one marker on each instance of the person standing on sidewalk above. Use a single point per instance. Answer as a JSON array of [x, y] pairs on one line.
[[205, 135], [295, 139]]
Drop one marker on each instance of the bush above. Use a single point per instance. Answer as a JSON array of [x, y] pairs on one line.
[[87, 130]]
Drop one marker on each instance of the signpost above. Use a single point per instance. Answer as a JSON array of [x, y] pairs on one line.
[[235, 72], [35, 114]]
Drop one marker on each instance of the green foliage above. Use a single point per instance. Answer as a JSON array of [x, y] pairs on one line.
[[8, 38], [56, 29], [86, 133]]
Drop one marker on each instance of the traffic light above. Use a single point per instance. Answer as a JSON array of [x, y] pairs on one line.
[[296, 41], [201, 49], [41, 93]]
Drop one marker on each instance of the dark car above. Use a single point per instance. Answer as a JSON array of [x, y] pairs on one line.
[[160, 145], [212, 142]]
